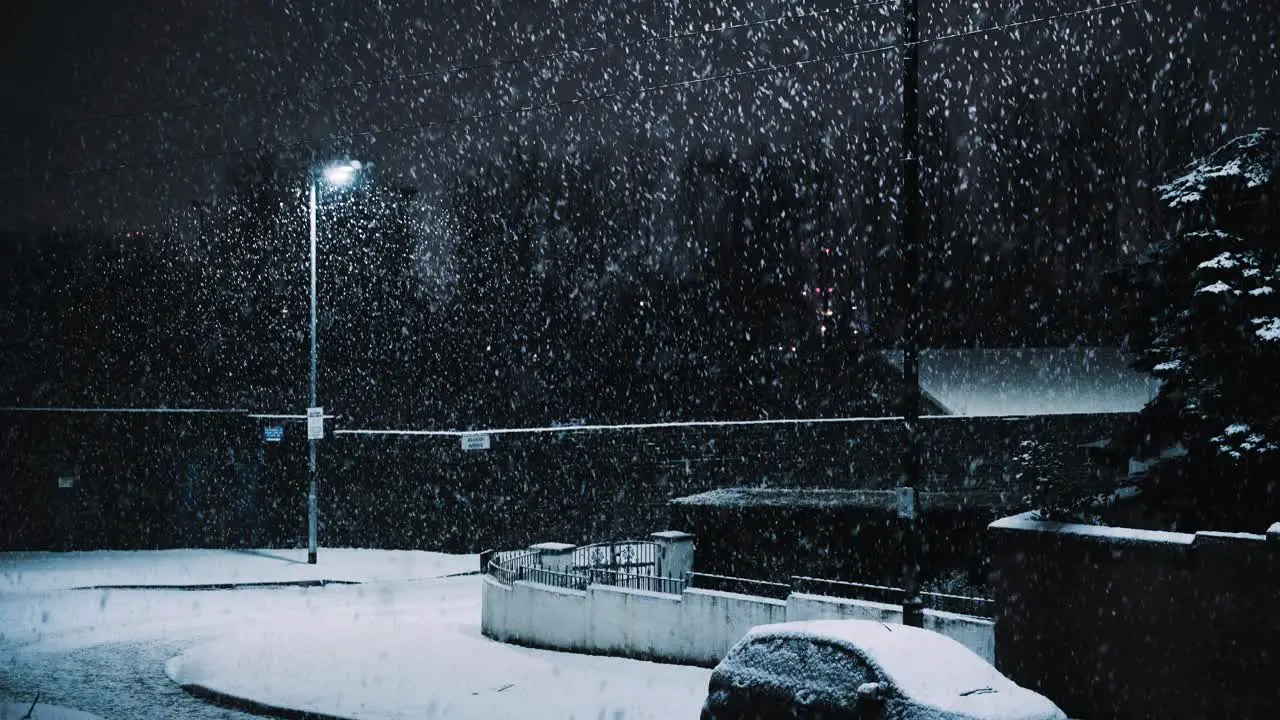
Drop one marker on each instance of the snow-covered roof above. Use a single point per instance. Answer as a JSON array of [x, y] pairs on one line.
[[926, 666], [1031, 381], [740, 497]]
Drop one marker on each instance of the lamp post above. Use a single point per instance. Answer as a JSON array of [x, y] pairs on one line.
[[338, 175]]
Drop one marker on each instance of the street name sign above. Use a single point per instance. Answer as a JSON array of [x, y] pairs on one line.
[[315, 423], [478, 441], [907, 503]]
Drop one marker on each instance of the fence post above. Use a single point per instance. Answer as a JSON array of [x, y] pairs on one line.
[[485, 557], [675, 553]]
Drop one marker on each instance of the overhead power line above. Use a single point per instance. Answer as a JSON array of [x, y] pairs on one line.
[[557, 105], [125, 410], [620, 426], [456, 67]]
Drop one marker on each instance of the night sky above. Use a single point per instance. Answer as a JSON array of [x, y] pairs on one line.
[[155, 84]]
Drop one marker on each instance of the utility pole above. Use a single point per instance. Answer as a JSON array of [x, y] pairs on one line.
[[312, 508], [909, 505]]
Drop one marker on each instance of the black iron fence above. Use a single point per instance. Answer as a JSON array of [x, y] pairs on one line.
[[741, 586], [942, 602], [650, 583], [627, 564], [611, 563], [544, 576], [505, 566], [634, 556]]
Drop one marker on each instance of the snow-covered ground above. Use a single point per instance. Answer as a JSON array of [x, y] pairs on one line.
[[405, 643], [39, 711], [56, 571]]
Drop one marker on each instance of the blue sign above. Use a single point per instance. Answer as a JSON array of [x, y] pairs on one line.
[[273, 433]]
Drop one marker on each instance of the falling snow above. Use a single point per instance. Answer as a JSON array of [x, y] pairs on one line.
[[636, 251]]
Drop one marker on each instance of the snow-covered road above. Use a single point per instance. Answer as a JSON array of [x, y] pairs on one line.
[[387, 648]]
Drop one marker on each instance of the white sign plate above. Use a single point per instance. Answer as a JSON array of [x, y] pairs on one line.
[[906, 503], [315, 423], [475, 442], [66, 481]]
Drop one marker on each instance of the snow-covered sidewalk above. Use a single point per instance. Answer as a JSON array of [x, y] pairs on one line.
[[416, 651], [404, 643], [45, 571]]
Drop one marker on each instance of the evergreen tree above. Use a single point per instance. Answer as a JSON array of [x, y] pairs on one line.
[[1213, 334]]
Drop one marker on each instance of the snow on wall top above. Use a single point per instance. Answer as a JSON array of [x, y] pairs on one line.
[[1032, 381], [1253, 158]]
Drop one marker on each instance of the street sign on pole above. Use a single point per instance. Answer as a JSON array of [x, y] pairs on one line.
[[273, 433], [478, 441], [907, 503], [315, 423]]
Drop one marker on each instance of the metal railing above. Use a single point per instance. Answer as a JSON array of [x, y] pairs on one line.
[[961, 605], [607, 564], [505, 566], [543, 576], [627, 564], [741, 586], [942, 602], [633, 581], [847, 590], [626, 555]]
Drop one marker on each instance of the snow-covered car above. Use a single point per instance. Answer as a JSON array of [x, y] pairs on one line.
[[863, 669]]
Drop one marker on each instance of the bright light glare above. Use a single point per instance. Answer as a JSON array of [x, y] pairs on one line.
[[341, 174]]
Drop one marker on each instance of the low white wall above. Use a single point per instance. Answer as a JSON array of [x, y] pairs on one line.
[[696, 627], [974, 633], [633, 623], [713, 621], [533, 614]]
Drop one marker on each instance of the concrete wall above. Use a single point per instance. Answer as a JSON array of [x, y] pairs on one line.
[[696, 627], [716, 620], [974, 633], [1121, 623]]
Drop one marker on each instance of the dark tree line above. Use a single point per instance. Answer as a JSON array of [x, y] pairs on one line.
[[548, 286], [587, 290]]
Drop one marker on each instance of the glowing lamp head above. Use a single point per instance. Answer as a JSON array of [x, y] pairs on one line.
[[343, 174]]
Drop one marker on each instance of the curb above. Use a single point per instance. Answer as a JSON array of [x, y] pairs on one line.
[[233, 702], [223, 586]]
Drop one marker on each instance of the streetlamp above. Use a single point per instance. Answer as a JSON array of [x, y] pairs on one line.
[[337, 175]]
